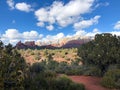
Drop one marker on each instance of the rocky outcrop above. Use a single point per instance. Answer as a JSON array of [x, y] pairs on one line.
[[28, 44], [62, 44], [75, 43], [20, 45]]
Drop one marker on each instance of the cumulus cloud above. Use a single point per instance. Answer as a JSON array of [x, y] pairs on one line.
[[115, 33], [50, 39], [83, 34], [31, 35], [86, 23], [23, 7], [117, 26], [10, 4], [64, 14], [80, 33], [50, 27], [93, 33], [13, 36], [55, 37], [41, 24]]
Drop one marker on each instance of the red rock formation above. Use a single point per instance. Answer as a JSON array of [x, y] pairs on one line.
[[30, 43], [20, 45]]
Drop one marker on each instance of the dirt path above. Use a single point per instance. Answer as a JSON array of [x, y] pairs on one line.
[[91, 83]]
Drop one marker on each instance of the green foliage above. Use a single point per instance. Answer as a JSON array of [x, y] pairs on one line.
[[90, 70], [16, 75], [32, 53], [66, 53], [64, 83], [37, 57], [12, 67], [52, 65], [103, 51], [111, 79], [49, 57], [76, 86], [37, 68], [48, 80]]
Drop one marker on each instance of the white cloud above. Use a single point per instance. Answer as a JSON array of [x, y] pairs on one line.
[[50, 27], [95, 30], [102, 4], [13, 36], [19, 6], [80, 33], [115, 33], [86, 23], [10, 4], [59, 36], [93, 33], [23, 7], [31, 35], [117, 26], [41, 24], [83, 34], [64, 14], [51, 39], [55, 37]]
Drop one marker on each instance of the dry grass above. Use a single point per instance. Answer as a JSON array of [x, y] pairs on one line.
[[59, 55]]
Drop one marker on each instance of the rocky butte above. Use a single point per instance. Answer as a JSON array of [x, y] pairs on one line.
[[63, 43]]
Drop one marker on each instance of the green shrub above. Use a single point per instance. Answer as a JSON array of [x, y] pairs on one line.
[[37, 68], [111, 79], [66, 53], [108, 82], [64, 83], [76, 86], [37, 57], [92, 71], [49, 73], [32, 53], [73, 72], [53, 53], [48, 80]]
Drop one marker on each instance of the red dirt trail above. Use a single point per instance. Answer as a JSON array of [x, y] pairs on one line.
[[91, 83]]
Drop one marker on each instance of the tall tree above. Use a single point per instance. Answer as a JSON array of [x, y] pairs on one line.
[[102, 51]]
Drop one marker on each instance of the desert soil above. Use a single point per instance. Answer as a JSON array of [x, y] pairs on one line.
[[91, 83]]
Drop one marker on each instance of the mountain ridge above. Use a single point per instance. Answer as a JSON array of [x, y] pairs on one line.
[[63, 43]]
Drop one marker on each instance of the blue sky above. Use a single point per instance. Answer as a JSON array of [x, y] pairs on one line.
[[52, 20]]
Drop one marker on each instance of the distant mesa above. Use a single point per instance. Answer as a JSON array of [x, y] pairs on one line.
[[75, 43], [64, 43], [28, 44]]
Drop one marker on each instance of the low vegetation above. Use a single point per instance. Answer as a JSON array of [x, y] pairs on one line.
[[48, 80], [58, 55], [111, 79], [101, 57], [15, 74], [42, 69]]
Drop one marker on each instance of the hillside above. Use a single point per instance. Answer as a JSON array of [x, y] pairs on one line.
[[59, 55]]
